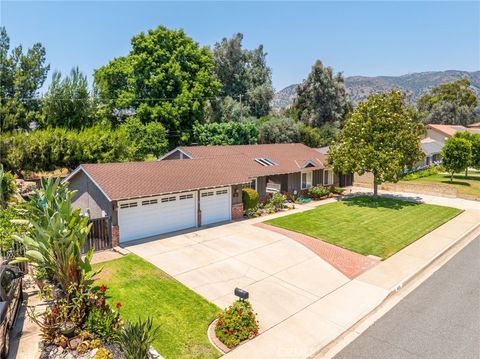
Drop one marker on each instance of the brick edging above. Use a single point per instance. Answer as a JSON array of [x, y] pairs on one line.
[[214, 340]]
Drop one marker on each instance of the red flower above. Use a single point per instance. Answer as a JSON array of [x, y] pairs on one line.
[[118, 305], [103, 288], [54, 310], [100, 301]]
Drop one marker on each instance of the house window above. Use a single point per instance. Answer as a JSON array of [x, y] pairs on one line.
[[253, 184], [306, 180], [327, 177]]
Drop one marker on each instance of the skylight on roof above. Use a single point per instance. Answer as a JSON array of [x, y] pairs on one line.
[[265, 161]]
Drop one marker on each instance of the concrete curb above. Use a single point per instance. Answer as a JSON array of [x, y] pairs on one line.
[[400, 285]]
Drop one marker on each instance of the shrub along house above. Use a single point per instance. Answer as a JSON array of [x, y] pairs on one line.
[[192, 186]]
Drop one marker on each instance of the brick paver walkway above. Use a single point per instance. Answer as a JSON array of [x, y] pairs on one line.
[[349, 263]]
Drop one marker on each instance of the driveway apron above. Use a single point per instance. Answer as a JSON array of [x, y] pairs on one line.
[[281, 275]]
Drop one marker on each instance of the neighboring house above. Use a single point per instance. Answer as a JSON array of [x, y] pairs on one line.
[[192, 186], [435, 138], [432, 150]]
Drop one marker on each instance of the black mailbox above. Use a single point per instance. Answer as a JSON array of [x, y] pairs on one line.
[[242, 294]]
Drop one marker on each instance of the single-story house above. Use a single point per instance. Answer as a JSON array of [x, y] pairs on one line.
[[435, 139], [192, 186]]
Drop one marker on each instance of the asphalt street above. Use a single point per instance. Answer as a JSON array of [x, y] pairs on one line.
[[439, 319]]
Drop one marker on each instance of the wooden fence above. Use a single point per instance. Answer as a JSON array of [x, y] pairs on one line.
[[100, 236]]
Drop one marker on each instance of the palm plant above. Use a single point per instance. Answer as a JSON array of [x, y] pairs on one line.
[[58, 235]]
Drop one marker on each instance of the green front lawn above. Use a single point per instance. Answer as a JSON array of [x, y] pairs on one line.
[[465, 185], [144, 290], [367, 225]]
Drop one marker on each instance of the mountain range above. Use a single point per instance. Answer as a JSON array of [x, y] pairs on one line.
[[414, 85]]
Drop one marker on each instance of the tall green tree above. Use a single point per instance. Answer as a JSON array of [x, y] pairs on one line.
[[148, 139], [246, 79], [453, 103], [474, 140], [322, 98], [167, 77], [67, 102], [456, 155], [280, 130], [379, 137], [226, 133], [22, 74]]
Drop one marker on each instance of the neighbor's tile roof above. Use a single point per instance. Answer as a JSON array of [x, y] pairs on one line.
[[450, 130], [211, 166]]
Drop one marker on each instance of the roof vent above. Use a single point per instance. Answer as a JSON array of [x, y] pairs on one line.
[[265, 161]]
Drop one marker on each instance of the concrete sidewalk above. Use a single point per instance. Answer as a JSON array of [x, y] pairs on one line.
[[441, 201], [307, 331]]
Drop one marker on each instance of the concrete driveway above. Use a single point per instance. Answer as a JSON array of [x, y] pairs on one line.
[[282, 276]]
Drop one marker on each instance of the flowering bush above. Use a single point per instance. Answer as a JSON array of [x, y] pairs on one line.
[[103, 321], [236, 323]]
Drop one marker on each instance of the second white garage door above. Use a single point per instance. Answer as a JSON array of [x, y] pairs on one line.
[[215, 205], [153, 216]]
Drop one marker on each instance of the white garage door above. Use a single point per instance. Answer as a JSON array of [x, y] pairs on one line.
[[215, 205], [157, 215]]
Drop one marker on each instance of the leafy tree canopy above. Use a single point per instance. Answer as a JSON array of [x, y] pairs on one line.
[[456, 155], [322, 97], [280, 130], [380, 137], [21, 76], [226, 133], [67, 102], [318, 136], [451, 103], [243, 73], [166, 78], [474, 140], [148, 139]]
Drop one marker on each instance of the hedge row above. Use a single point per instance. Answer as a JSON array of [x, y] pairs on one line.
[[49, 149]]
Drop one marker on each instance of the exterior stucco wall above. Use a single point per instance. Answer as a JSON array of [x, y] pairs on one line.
[[89, 196], [437, 136]]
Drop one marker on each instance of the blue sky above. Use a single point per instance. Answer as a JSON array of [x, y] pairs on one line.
[[357, 38]]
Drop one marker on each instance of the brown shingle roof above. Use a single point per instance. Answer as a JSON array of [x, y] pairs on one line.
[[211, 166]]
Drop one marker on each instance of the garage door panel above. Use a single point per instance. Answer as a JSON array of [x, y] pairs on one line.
[[215, 205], [157, 216]]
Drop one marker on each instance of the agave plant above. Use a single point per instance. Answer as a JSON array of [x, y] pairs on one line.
[[135, 339], [58, 235]]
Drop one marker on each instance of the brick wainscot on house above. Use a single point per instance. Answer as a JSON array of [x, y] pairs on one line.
[[192, 186]]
